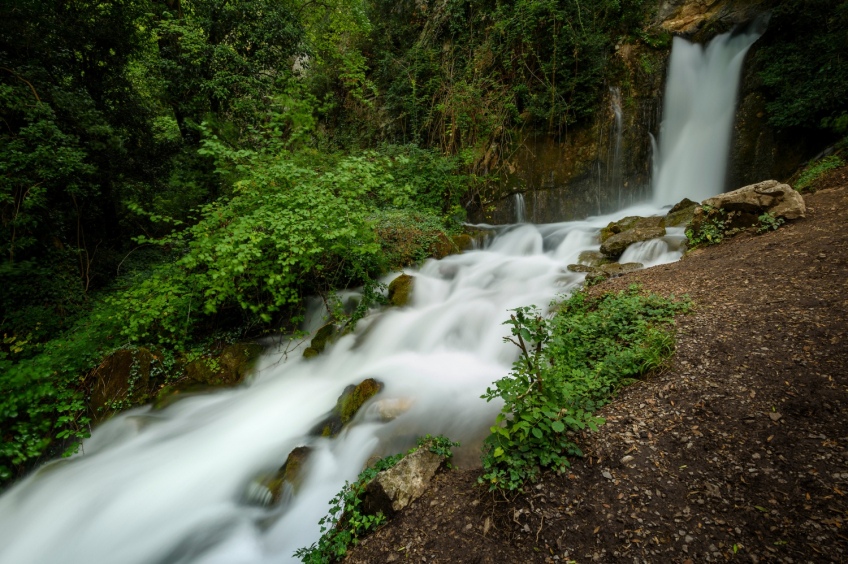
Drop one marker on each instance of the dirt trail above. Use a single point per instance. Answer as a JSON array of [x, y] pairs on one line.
[[737, 451]]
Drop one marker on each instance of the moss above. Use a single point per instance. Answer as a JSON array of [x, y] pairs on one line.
[[400, 290], [347, 406]]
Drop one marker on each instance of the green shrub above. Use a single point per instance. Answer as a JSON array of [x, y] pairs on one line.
[[769, 223], [570, 365], [814, 171]]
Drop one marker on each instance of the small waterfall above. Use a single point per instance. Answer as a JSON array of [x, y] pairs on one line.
[[698, 112], [614, 165], [520, 209]]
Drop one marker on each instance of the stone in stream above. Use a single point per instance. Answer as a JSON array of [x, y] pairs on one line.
[[619, 235], [395, 488], [681, 214], [400, 290], [272, 489], [597, 274], [346, 407], [325, 336], [592, 258]]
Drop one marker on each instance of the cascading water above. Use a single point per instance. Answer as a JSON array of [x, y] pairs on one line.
[[175, 485], [698, 112], [614, 177], [520, 209], [171, 485]]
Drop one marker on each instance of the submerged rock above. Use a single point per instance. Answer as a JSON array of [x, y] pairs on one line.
[[615, 245], [592, 258], [394, 489], [391, 408], [400, 290], [346, 407]]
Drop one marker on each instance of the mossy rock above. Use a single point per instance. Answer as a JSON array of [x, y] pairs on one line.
[[326, 335], [400, 290], [616, 269], [348, 404], [631, 222], [581, 268], [593, 258], [614, 246], [290, 474], [122, 379], [681, 214]]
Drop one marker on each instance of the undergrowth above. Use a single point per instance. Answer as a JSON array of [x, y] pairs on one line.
[[346, 523], [571, 363], [814, 171]]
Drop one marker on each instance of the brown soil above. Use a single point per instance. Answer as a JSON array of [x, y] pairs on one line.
[[737, 451]]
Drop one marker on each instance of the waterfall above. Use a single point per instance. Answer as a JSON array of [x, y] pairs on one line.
[[614, 165], [698, 112], [520, 210], [173, 485]]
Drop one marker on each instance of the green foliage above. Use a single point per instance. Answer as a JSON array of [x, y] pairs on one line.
[[803, 64], [570, 365], [769, 223], [710, 232], [814, 171], [346, 524]]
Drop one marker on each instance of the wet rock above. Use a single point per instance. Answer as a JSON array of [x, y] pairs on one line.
[[391, 408], [615, 245], [681, 214], [324, 336], [346, 407], [581, 268], [400, 290], [630, 222], [224, 370], [272, 489], [592, 258], [769, 196], [394, 489]]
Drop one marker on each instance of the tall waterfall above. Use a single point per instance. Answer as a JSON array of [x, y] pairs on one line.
[[614, 177], [172, 485], [698, 112]]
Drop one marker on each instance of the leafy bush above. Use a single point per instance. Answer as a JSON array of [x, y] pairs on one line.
[[814, 171], [769, 223], [570, 365], [710, 232], [346, 524]]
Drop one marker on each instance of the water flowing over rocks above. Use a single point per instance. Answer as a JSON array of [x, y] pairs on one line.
[[619, 235], [348, 404]]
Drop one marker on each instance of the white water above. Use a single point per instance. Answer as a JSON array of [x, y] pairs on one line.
[[520, 208], [614, 168], [698, 112], [170, 486]]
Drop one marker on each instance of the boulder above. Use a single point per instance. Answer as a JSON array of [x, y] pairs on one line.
[[400, 290], [390, 409], [770, 196], [592, 258], [581, 268], [630, 222], [346, 407], [681, 214], [615, 245], [394, 489], [271, 490], [597, 274]]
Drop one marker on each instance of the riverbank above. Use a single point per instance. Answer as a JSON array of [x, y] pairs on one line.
[[738, 449]]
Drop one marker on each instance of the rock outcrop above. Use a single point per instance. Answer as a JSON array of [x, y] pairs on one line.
[[681, 214], [394, 489], [323, 337]]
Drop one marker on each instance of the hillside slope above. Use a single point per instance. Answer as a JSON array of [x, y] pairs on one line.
[[738, 450]]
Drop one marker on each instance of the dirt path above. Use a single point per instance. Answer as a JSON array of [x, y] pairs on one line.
[[738, 451]]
